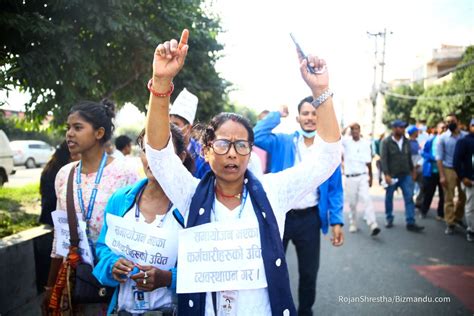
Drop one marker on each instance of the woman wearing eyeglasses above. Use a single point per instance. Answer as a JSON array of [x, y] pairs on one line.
[[230, 193]]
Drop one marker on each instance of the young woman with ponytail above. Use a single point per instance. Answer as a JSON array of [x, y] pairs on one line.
[[96, 177]]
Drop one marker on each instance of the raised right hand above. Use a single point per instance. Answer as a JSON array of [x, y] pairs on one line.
[[121, 269], [284, 111], [169, 58]]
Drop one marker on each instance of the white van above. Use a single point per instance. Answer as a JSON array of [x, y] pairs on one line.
[[31, 153], [6, 158]]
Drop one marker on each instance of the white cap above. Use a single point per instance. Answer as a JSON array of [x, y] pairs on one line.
[[185, 106]]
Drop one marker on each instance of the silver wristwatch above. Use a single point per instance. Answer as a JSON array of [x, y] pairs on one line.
[[323, 97]]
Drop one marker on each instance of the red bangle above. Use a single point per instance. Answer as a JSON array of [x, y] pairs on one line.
[[157, 94]]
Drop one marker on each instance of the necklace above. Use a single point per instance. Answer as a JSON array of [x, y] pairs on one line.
[[242, 204], [237, 196]]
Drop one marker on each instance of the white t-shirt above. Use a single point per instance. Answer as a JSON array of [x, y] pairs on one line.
[[117, 154], [357, 154], [303, 152], [399, 142], [160, 297], [284, 189]]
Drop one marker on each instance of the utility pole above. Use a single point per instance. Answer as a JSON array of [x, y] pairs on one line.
[[375, 88], [382, 64]]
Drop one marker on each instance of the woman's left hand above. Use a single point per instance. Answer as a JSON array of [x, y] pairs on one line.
[[151, 278]]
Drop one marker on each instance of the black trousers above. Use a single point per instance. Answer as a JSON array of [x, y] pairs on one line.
[[303, 228], [429, 187]]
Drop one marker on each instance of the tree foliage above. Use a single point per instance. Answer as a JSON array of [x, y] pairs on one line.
[[63, 51], [462, 83], [18, 129], [433, 111], [397, 108]]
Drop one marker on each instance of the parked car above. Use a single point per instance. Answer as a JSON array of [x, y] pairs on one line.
[[6, 158], [31, 153]]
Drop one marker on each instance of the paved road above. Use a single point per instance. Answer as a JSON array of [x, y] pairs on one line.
[[24, 176], [396, 264]]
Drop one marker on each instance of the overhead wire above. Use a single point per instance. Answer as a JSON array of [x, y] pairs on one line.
[[412, 97]]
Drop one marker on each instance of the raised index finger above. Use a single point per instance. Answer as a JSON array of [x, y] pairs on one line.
[[184, 39]]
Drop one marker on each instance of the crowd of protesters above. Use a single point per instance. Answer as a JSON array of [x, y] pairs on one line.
[[418, 162], [288, 187], [213, 182]]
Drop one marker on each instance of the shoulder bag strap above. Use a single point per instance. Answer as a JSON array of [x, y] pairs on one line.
[[71, 211]]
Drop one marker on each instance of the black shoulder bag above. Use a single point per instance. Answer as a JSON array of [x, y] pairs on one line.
[[86, 290]]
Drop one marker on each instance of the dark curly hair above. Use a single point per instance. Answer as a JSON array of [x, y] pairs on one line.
[[98, 114], [178, 142], [209, 133]]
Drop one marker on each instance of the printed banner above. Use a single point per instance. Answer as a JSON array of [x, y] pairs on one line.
[[61, 229], [142, 243], [220, 256]]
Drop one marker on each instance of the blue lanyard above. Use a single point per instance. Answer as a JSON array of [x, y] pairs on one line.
[[244, 199], [90, 207], [137, 208]]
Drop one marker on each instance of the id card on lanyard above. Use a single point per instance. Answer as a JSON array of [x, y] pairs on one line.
[[227, 303], [141, 299], [90, 207]]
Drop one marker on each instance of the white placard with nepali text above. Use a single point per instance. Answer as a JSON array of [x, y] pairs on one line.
[[220, 256], [142, 243], [61, 229]]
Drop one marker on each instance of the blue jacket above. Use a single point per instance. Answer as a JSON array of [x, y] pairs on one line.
[[429, 160], [119, 204], [282, 150]]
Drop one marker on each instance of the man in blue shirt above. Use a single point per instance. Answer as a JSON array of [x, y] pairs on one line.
[[447, 176], [431, 175], [318, 210]]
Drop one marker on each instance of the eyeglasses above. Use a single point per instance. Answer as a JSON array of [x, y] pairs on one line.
[[222, 146]]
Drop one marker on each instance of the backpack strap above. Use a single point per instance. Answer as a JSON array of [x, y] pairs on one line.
[[71, 211]]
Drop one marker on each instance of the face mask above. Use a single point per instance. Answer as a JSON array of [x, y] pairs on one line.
[[308, 134], [452, 126]]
